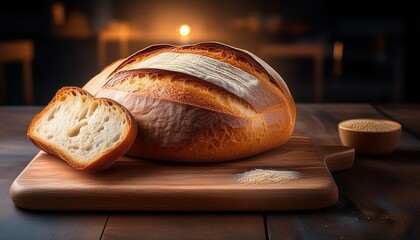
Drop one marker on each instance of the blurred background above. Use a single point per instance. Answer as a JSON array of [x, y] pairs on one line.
[[327, 51]]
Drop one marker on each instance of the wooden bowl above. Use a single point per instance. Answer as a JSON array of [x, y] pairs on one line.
[[369, 142]]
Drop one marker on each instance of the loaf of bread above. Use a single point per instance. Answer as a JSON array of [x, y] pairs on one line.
[[88, 133], [200, 103]]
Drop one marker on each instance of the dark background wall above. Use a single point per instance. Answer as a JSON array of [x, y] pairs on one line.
[[380, 41]]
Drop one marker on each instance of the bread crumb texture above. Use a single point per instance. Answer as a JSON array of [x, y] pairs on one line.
[[262, 176], [82, 126], [367, 125]]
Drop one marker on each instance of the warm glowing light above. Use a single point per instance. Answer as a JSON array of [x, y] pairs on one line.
[[338, 50], [338, 57], [58, 13], [184, 30]]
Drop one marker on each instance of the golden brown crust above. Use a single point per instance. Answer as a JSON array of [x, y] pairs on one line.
[[180, 88], [233, 56], [197, 121], [104, 160], [177, 132], [96, 83]]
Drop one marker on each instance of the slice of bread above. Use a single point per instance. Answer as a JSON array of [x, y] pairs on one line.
[[89, 133]]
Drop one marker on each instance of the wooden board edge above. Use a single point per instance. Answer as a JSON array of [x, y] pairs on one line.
[[145, 200], [337, 158], [18, 193]]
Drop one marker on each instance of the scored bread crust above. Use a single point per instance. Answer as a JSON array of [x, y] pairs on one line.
[[186, 118], [101, 161]]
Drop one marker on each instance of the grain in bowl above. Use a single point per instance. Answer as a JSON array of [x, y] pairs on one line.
[[373, 137]]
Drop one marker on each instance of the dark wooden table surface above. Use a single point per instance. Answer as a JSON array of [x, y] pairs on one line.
[[379, 197]]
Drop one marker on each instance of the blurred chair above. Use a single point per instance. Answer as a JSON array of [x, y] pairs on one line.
[[75, 26], [116, 31], [19, 51], [300, 50]]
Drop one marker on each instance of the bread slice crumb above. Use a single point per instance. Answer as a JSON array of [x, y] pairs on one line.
[[88, 133]]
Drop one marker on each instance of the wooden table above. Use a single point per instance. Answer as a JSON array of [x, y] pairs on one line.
[[379, 197]]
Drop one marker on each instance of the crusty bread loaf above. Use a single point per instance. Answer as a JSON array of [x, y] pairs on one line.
[[207, 102], [88, 133]]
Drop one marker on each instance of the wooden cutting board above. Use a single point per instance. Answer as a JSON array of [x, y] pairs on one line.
[[49, 183]]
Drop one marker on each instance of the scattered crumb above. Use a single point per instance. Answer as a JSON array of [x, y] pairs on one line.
[[261, 176]]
